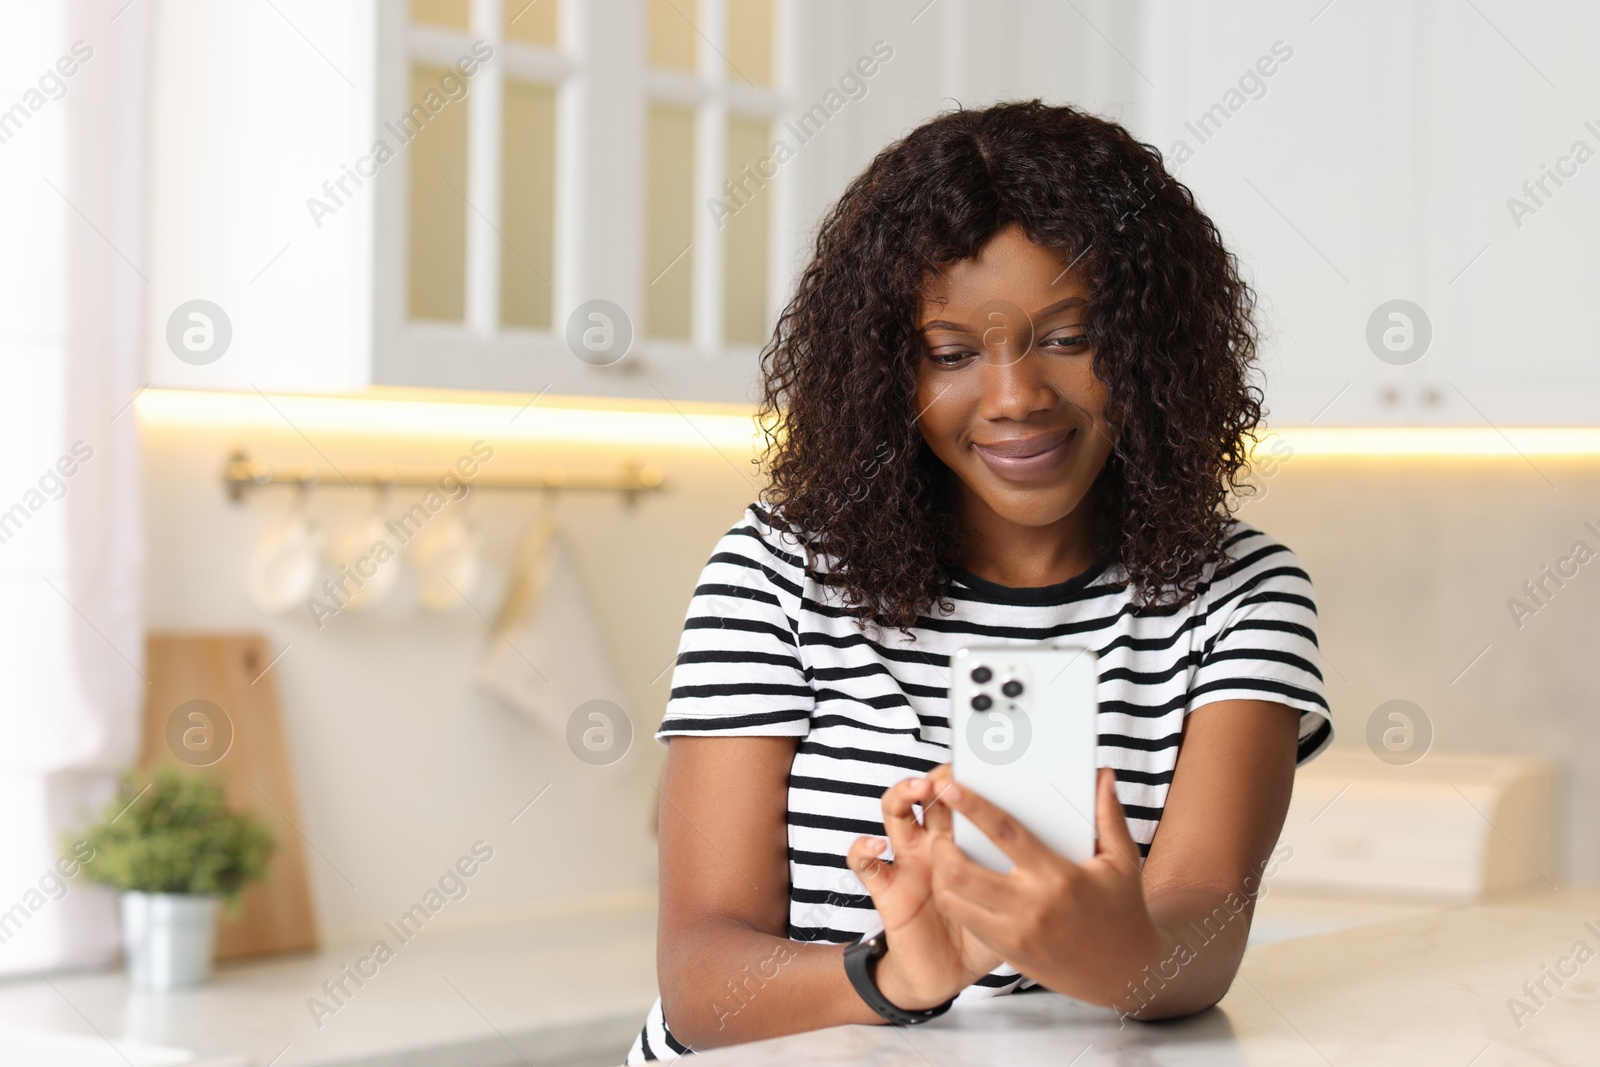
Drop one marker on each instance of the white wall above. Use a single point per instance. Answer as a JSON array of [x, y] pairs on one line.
[[1414, 563]]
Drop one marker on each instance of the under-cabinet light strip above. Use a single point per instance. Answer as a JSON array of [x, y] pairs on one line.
[[565, 420], [729, 427]]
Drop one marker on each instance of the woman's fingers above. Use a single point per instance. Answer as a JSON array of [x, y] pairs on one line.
[[969, 892], [1007, 833], [899, 821], [936, 813]]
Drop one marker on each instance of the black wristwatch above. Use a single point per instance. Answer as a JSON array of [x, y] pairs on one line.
[[861, 963]]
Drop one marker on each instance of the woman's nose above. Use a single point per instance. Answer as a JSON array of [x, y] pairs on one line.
[[1015, 385], [1015, 391]]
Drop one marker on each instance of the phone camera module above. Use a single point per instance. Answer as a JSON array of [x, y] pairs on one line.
[[1012, 688], [982, 702], [981, 674]]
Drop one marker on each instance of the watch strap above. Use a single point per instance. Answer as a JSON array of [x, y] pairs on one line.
[[861, 964]]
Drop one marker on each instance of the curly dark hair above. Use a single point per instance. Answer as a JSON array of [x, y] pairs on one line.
[[1169, 317]]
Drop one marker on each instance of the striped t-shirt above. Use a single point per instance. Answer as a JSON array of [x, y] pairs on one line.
[[767, 650]]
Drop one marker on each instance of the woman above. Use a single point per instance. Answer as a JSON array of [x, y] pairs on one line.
[[1009, 403]]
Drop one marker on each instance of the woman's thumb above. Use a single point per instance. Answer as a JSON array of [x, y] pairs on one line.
[[875, 874]]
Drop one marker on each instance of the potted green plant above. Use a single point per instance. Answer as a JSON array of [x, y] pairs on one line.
[[176, 851]]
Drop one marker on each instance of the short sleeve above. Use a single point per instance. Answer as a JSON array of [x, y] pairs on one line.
[[738, 671], [1261, 637]]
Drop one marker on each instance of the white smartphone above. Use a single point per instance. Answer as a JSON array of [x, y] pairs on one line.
[[1024, 737]]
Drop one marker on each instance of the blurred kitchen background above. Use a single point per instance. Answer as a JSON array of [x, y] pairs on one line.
[[274, 268]]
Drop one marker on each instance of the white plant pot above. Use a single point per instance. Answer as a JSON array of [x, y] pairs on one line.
[[168, 938]]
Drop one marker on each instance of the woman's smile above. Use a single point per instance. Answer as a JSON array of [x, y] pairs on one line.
[[1027, 458]]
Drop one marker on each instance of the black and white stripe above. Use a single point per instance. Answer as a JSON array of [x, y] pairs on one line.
[[767, 650]]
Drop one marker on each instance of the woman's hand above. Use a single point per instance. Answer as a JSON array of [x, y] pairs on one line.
[[1078, 929], [930, 957]]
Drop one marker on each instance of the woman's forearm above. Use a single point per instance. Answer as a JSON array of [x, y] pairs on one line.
[[1203, 936], [725, 983]]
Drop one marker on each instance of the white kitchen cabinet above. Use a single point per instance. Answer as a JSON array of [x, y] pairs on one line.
[[252, 108], [280, 163], [1351, 155], [1376, 163], [604, 86], [280, 166]]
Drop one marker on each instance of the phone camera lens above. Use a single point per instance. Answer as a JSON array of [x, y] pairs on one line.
[[982, 702], [981, 674], [1012, 688]]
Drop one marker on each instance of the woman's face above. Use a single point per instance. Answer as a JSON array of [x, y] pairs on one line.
[[1006, 391]]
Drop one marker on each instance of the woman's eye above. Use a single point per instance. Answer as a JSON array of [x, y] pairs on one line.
[[1076, 342], [1066, 342]]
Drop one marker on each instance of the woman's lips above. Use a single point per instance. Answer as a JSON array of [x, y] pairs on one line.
[[1026, 459]]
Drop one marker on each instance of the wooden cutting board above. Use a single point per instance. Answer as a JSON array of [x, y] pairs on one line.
[[212, 705]]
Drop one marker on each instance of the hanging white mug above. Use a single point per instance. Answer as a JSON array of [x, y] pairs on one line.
[[365, 562], [284, 566], [448, 566]]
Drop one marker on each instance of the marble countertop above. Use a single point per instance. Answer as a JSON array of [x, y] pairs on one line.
[[1396, 982], [1426, 989], [545, 992]]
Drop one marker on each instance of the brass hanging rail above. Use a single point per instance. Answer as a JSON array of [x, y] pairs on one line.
[[243, 473]]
